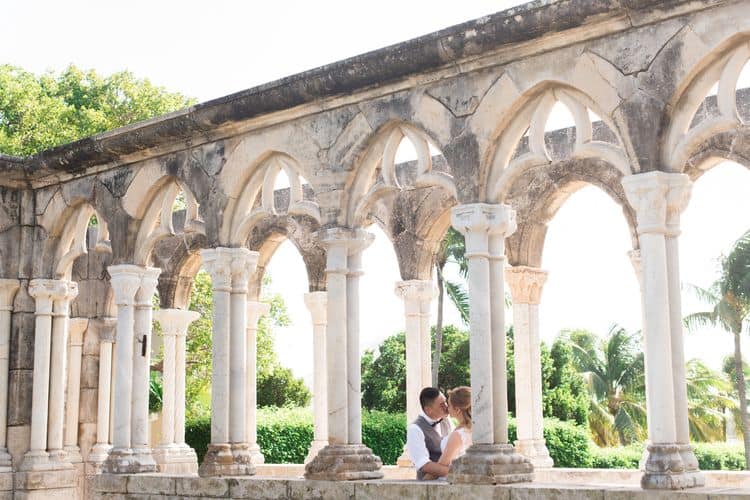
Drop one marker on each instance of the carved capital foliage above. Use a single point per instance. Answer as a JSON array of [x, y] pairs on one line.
[[125, 280], [419, 290], [255, 310], [478, 221], [47, 292], [218, 264], [316, 303], [525, 284], [175, 321], [106, 327], [647, 194], [8, 289]]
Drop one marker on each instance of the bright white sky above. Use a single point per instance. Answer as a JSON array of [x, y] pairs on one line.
[[208, 52]]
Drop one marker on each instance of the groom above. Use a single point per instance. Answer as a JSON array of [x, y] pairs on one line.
[[424, 434]]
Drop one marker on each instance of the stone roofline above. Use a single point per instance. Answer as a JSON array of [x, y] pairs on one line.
[[481, 42]]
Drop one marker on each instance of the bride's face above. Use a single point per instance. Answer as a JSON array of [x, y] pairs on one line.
[[453, 411]]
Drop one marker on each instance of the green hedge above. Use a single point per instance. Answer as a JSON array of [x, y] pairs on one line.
[[711, 456], [285, 434]]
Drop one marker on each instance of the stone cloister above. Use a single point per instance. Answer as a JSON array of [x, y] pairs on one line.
[[652, 89]]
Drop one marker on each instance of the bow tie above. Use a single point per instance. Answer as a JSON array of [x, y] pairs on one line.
[[436, 422]]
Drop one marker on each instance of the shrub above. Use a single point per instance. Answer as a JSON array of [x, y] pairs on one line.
[[385, 434], [285, 434], [720, 456], [621, 457]]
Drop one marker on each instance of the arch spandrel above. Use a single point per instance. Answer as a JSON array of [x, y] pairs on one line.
[[377, 174], [540, 192], [702, 126]]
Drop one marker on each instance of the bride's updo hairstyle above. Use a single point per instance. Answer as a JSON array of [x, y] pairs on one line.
[[460, 398]]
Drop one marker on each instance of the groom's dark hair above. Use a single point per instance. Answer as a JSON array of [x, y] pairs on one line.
[[428, 395]]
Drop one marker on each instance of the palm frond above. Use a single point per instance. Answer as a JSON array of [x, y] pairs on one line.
[[460, 299]]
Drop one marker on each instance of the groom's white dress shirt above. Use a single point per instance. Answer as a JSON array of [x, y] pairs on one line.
[[415, 444]]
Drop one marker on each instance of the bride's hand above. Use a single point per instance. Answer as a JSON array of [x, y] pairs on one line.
[[429, 477]]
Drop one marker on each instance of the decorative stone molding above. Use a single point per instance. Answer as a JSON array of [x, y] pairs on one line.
[[8, 290], [525, 283], [316, 303], [172, 455], [647, 194]]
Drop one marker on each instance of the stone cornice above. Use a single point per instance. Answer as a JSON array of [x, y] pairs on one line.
[[502, 37]]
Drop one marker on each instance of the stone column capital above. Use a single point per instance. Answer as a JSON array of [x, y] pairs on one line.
[[242, 266], [149, 282], [105, 327], [419, 290], [61, 303], [218, 264], [8, 289], [47, 291], [354, 240], [76, 328], [525, 283], [317, 303], [175, 321], [255, 310], [678, 197], [478, 221], [125, 280], [658, 198]]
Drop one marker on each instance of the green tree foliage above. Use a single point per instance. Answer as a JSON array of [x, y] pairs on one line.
[[39, 112], [384, 375], [613, 369], [729, 300], [276, 384]]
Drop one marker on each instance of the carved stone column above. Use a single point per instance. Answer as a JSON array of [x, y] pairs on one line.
[[415, 293], [45, 292], [58, 368], [143, 327], [678, 197], [8, 289], [126, 281], [316, 304], [100, 449], [255, 310], [73, 394], [172, 455], [490, 459], [664, 468], [525, 285], [243, 266], [224, 457], [345, 458]]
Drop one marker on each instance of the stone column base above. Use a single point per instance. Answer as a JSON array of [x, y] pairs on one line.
[[226, 460], [39, 461], [46, 484], [491, 464], [98, 455], [125, 461], [73, 454], [404, 460], [315, 448], [175, 459], [256, 456], [536, 451], [344, 462], [664, 468]]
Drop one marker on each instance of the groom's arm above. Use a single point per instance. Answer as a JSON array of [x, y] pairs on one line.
[[417, 449]]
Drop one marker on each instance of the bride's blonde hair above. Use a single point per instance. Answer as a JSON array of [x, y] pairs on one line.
[[460, 398]]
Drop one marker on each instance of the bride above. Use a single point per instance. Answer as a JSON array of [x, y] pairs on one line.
[[455, 444]]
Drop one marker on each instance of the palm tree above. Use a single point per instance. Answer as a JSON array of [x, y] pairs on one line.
[[452, 249], [613, 369], [729, 298], [709, 394]]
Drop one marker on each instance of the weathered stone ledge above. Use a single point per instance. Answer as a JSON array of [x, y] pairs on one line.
[[148, 486]]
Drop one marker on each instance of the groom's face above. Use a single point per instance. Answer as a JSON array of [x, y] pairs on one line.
[[438, 408]]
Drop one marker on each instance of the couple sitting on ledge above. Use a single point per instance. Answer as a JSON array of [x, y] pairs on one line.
[[431, 440]]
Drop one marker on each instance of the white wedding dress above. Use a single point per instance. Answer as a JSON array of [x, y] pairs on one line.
[[465, 441]]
